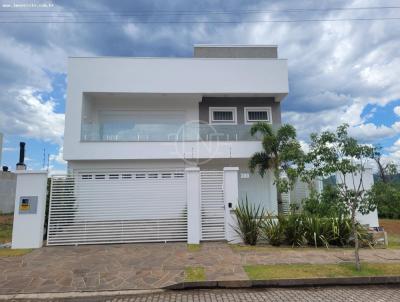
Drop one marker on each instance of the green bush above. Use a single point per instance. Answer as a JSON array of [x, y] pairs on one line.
[[318, 230], [250, 219], [294, 229], [325, 204], [273, 229]]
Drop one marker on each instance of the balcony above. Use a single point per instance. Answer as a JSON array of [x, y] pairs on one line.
[[166, 132]]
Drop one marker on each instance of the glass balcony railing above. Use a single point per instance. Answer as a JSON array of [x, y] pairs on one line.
[[166, 132]]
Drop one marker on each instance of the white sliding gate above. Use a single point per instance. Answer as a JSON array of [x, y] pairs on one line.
[[212, 205], [118, 207]]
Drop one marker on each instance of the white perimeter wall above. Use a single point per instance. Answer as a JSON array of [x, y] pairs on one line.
[[370, 219]]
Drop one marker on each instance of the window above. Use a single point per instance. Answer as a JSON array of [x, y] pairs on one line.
[[113, 176], [100, 176], [257, 114], [223, 115], [87, 176]]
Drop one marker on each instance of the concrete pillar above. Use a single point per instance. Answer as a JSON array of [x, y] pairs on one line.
[[29, 210], [193, 205], [231, 199]]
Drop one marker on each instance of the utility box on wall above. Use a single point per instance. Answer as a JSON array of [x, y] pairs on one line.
[[29, 211]]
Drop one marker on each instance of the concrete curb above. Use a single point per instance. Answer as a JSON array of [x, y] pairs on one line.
[[308, 282], [87, 294]]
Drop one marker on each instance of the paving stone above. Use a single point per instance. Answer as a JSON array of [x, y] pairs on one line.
[[140, 266], [341, 294]]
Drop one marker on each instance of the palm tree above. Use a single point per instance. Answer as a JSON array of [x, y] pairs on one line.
[[281, 150]]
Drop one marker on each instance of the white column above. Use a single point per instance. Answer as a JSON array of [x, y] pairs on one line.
[[193, 205], [231, 198], [29, 210]]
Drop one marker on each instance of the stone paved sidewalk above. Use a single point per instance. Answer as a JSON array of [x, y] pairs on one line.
[[144, 266]]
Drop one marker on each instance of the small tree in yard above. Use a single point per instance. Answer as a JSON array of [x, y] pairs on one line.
[[336, 152], [280, 150]]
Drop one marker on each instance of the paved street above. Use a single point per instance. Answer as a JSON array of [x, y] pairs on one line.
[[348, 294]]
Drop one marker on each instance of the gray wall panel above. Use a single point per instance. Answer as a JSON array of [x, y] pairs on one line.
[[264, 52], [239, 103]]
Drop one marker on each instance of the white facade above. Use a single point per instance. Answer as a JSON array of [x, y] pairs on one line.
[[148, 116], [162, 89]]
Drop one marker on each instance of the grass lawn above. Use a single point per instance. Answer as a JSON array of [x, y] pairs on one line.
[[290, 271], [6, 222], [392, 227], [13, 253], [196, 273], [193, 247]]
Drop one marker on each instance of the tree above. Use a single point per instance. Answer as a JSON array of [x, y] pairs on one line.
[[387, 198], [337, 153], [280, 150], [324, 204], [385, 170]]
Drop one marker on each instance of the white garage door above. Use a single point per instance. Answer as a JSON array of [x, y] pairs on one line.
[[118, 207]]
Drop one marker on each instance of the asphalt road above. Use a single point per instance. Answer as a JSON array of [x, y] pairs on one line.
[[348, 294]]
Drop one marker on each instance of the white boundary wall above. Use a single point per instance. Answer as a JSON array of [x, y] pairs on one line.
[[370, 219]]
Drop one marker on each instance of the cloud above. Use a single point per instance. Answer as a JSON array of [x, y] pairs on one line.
[[58, 158], [29, 115], [397, 110], [394, 152], [9, 149], [335, 68], [369, 133]]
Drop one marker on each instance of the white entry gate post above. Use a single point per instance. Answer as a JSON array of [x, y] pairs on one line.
[[193, 205], [29, 211]]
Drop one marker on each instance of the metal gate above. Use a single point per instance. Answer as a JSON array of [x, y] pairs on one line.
[[212, 205], [118, 207]]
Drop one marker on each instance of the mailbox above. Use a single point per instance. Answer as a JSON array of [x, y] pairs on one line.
[[28, 204]]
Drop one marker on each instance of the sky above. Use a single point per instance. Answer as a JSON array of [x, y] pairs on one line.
[[344, 68]]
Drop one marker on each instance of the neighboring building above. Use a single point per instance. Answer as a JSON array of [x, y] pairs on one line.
[[8, 181], [7, 186]]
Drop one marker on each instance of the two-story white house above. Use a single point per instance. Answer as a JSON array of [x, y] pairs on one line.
[[145, 137]]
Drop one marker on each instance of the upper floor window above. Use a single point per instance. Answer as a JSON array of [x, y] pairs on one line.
[[257, 114], [223, 115]]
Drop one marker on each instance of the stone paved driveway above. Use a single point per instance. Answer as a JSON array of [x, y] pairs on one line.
[[144, 266]]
